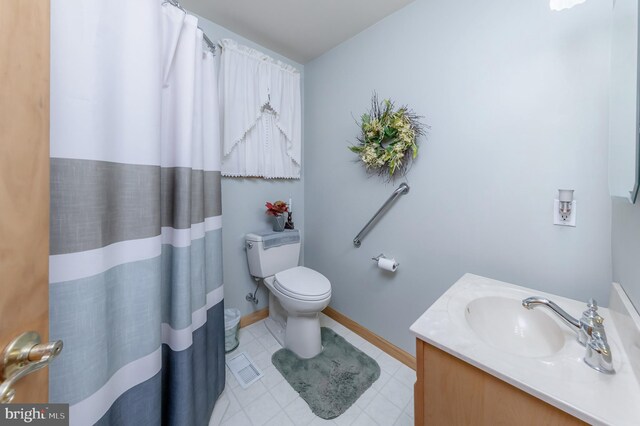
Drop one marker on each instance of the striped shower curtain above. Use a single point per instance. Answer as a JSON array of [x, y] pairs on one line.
[[136, 265]]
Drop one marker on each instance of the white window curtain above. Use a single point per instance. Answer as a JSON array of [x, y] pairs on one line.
[[261, 107]]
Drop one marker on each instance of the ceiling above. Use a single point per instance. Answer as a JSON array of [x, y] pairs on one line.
[[300, 30]]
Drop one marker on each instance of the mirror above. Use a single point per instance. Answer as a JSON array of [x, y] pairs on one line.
[[624, 145]]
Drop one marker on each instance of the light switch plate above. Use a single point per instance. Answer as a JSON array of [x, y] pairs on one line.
[[557, 219]]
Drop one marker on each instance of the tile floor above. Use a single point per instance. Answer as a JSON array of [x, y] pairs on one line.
[[272, 401]]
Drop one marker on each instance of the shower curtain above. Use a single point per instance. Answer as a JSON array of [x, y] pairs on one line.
[[136, 288]]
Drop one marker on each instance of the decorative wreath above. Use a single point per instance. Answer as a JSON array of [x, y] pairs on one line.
[[389, 139]]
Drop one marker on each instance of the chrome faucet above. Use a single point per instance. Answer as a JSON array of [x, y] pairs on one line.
[[590, 332]]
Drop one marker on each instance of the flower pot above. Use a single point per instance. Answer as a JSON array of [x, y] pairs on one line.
[[278, 223]]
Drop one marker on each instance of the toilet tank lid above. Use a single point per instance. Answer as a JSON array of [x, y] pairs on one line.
[[290, 235]]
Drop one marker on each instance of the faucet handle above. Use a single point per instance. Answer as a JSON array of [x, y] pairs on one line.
[[590, 322], [591, 314]]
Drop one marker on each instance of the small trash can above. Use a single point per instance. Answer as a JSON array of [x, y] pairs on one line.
[[231, 327]]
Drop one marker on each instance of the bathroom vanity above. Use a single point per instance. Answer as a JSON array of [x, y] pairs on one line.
[[483, 359]]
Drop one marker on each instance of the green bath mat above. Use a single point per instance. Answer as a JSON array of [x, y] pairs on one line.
[[332, 381]]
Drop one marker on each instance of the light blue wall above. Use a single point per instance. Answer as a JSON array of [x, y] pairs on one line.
[[243, 204], [517, 97], [626, 247]]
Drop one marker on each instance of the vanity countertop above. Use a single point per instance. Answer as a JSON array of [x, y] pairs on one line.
[[562, 379]]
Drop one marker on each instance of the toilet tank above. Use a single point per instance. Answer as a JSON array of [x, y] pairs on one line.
[[282, 252]]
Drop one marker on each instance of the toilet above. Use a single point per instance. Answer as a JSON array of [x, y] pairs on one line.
[[296, 294]]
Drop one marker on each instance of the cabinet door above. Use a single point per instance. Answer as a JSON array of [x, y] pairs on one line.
[[451, 392]]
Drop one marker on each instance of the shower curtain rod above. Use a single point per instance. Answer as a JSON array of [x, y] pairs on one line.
[[207, 40]]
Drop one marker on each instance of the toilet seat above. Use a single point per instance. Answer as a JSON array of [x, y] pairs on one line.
[[303, 284]]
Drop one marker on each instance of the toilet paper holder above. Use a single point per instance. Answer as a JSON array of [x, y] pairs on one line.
[[381, 256]]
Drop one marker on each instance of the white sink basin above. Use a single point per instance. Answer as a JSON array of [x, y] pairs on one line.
[[506, 325]]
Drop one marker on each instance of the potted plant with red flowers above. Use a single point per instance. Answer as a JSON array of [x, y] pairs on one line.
[[277, 211]]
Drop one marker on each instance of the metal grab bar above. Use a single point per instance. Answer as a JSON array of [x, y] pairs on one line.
[[401, 190]]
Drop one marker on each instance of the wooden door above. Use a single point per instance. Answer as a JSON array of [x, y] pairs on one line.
[[24, 179]]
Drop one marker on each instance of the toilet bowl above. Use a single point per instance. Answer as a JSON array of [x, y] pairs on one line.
[[300, 293], [296, 294]]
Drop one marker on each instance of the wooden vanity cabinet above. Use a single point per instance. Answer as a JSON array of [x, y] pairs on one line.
[[449, 391]]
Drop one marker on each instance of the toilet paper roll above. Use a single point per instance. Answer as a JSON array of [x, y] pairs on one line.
[[388, 264]]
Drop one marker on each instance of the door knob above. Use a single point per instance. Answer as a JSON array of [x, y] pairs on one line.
[[24, 355]]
